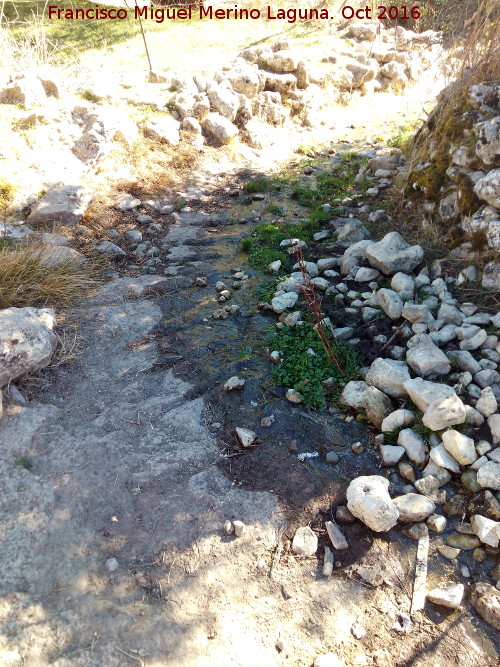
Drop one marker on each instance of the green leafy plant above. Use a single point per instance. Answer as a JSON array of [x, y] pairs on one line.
[[305, 364], [261, 257], [265, 290]]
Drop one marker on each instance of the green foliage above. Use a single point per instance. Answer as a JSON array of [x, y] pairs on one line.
[[246, 244], [261, 184], [24, 462], [263, 247], [403, 140], [269, 234], [265, 290], [261, 257], [304, 196], [275, 210], [305, 372]]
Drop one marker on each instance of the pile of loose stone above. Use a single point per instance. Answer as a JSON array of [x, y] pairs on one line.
[[263, 88], [433, 400], [268, 85]]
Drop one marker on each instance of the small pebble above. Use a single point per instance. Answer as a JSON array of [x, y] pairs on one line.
[[239, 528], [357, 447]]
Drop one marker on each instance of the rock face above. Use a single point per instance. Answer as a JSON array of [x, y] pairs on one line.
[[27, 341], [486, 600], [393, 254], [65, 204], [368, 500]]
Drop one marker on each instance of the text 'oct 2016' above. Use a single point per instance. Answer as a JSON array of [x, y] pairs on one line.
[[382, 12]]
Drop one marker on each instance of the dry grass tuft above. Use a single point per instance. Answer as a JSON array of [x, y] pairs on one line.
[[160, 167], [25, 280]]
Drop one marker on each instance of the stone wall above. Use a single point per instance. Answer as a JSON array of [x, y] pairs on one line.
[[458, 169]]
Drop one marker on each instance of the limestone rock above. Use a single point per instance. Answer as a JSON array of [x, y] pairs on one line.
[[56, 255], [393, 254], [65, 204], [486, 600], [224, 100], [413, 507], [368, 500], [281, 61], [234, 383], [389, 376], [487, 530], [27, 341], [354, 394], [245, 436], [328, 660], [305, 542], [26, 90], [491, 276], [391, 454], [109, 248], [126, 202], [449, 595], [284, 301], [487, 404], [336, 537], [219, 128], [488, 476], [443, 459], [164, 129], [413, 444], [494, 424], [488, 188], [397, 419], [443, 413], [426, 358], [460, 447], [390, 302], [377, 405], [424, 392]]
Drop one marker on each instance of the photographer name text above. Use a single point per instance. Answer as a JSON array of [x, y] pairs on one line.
[[190, 12]]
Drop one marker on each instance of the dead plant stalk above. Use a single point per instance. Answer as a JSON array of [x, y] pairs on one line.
[[313, 305]]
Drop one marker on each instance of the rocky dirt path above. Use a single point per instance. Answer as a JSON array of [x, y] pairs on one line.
[[113, 547]]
